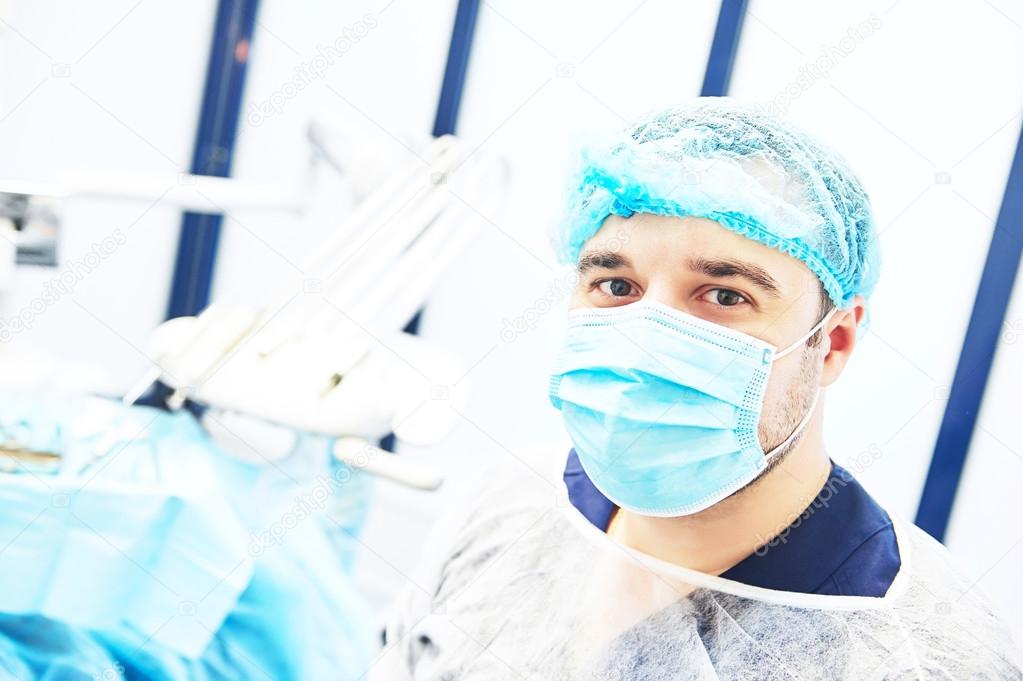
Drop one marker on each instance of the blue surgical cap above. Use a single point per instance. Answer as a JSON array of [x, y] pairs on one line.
[[749, 170]]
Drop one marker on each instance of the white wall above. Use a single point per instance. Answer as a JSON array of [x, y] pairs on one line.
[[927, 92]]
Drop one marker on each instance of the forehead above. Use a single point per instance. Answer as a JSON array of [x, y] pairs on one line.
[[655, 243]]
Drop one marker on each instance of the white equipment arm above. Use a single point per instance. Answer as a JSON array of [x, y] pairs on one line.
[[333, 360]]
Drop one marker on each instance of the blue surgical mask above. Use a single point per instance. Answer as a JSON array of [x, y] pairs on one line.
[[663, 407]]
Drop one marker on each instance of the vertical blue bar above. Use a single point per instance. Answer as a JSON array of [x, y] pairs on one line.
[[989, 308], [457, 67], [214, 148], [724, 48]]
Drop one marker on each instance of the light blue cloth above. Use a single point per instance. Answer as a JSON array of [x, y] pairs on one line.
[[752, 172], [33, 647], [102, 551], [169, 559]]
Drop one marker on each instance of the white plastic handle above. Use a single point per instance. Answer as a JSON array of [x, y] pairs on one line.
[[361, 455]]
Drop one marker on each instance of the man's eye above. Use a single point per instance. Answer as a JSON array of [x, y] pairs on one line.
[[723, 297], [617, 288]]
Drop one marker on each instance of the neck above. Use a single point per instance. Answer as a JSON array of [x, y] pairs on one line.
[[719, 537]]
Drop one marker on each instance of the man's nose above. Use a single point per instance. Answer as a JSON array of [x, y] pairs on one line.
[[666, 293]]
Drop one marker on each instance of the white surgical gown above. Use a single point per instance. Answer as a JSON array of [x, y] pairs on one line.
[[522, 587]]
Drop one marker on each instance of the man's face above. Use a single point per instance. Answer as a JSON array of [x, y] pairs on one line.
[[701, 268]]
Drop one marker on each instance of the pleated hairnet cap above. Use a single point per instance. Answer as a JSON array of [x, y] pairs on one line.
[[749, 170]]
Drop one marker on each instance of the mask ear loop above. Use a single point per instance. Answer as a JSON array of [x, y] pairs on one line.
[[795, 431], [816, 396], [817, 327]]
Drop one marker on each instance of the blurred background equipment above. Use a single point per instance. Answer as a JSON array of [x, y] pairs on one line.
[[202, 524]]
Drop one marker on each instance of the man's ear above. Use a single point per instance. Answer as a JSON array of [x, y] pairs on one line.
[[840, 339]]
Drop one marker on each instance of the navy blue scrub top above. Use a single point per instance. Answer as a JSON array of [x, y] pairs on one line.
[[842, 545]]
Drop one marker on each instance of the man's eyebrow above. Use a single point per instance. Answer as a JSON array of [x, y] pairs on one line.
[[608, 260], [755, 274]]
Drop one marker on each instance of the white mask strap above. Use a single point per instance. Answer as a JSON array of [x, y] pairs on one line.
[[817, 327], [798, 429]]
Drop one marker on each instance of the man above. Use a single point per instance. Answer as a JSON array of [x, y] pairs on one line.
[[725, 260]]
